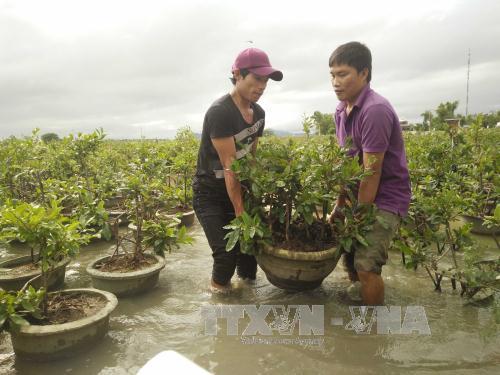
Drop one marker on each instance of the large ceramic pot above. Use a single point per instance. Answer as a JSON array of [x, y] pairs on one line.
[[297, 270], [48, 342], [10, 280], [478, 227], [126, 283]]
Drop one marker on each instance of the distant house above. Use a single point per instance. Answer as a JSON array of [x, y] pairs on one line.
[[405, 125], [453, 122]]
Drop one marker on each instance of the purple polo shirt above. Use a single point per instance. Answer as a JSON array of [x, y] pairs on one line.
[[374, 127]]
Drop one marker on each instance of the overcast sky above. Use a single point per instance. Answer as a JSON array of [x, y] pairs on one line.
[[150, 67]]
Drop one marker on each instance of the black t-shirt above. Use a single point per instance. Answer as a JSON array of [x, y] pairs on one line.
[[224, 119]]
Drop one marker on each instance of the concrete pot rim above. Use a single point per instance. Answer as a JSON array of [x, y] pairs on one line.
[[180, 214], [6, 276], [38, 330], [187, 213], [473, 217], [126, 275], [478, 225], [301, 255]]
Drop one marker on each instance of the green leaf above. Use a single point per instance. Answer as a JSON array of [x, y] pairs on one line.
[[18, 320], [255, 190], [252, 232], [382, 222], [246, 235], [233, 238], [409, 265], [27, 305], [348, 244], [106, 232], [37, 314], [247, 220], [497, 212], [361, 240], [3, 319]]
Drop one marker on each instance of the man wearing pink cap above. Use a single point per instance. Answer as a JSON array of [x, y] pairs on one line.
[[231, 129]]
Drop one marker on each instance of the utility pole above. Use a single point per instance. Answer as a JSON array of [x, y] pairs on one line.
[[467, 97]]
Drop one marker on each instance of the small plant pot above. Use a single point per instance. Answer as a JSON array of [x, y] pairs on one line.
[[113, 202], [123, 217], [11, 281], [49, 342], [124, 284], [297, 270], [183, 219], [187, 218], [478, 227]]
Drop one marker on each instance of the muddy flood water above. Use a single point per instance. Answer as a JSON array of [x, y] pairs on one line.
[[463, 339]]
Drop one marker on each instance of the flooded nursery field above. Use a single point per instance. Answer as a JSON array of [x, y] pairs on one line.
[[120, 215], [169, 317]]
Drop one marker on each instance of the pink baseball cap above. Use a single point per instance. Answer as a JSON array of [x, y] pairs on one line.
[[257, 62]]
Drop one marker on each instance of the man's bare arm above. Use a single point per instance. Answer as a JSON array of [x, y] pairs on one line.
[[372, 161], [226, 149]]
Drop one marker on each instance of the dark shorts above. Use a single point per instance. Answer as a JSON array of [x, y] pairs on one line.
[[371, 258], [214, 211]]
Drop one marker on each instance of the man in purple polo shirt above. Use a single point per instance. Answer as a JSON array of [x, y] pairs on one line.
[[372, 124]]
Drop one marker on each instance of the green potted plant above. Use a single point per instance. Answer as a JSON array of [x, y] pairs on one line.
[[480, 190], [40, 325], [51, 238], [430, 237], [183, 154], [65, 326], [131, 269], [494, 221], [290, 191]]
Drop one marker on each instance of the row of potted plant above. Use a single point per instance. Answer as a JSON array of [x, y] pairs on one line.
[[51, 325], [88, 174], [454, 192]]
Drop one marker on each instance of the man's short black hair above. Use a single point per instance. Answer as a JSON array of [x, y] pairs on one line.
[[244, 72], [354, 54]]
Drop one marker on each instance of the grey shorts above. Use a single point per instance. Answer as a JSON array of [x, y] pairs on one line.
[[371, 258]]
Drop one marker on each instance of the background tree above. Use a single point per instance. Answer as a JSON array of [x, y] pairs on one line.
[[446, 110], [49, 137], [306, 125], [490, 120], [323, 122], [268, 133], [427, 118]]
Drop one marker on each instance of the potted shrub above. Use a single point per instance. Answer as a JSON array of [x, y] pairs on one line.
[[131, 272], [480, 189], [51, 237], [290, 191], [494, 221], [56, 325], [481, 204], [184, 154], [46, 326]]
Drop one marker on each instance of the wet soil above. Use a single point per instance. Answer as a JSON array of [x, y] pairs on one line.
[[64, 308], [125, 263]]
